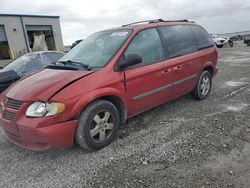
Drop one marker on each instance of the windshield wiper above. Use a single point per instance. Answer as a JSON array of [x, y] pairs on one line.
[[85, 66]]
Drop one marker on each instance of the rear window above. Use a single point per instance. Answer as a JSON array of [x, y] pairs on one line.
[[203, 39], [179, 40]]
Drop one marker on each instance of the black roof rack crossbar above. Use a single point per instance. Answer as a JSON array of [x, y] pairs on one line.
[[155, 21]]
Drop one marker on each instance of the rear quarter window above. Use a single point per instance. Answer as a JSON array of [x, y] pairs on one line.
[[179, 40], [204, 40]]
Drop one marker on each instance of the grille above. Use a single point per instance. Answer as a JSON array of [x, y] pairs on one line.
[[14, 104], [9, 115], [11, 104]]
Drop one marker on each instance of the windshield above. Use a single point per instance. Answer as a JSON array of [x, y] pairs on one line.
[[97, 49], [18, 63], [21, 64]]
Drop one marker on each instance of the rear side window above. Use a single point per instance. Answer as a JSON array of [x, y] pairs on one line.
[[179, 40], [148, 45], [203, 39]]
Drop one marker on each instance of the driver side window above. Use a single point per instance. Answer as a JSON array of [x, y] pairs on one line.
[[146, 44]]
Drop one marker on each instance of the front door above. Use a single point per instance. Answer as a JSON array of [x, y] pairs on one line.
[[148, 83]]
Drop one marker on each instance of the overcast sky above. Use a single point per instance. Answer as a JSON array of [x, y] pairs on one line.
[[79, 18]]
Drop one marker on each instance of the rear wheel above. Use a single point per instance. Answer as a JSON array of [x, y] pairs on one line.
[[98, 125], [203, 87], [248, 43]]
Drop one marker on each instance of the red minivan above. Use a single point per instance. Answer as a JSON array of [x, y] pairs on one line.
[[110, 76]]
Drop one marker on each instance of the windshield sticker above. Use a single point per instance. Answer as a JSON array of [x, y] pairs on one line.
[[119, 34]]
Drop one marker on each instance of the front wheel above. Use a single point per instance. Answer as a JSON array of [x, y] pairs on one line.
[[98, 125], [203, 87]]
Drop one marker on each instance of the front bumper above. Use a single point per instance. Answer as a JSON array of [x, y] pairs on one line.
[[52, 137]]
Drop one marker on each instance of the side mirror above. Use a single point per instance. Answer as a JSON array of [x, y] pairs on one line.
[[131, 59]]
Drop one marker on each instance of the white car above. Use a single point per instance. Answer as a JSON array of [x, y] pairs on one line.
[[219, 41]]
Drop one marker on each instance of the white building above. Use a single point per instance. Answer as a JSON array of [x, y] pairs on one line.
[[20, 34]]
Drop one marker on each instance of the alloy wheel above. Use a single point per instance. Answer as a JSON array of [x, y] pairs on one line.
[[101, 126], [205, 85]]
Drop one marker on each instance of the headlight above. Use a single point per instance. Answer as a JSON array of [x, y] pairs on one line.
[[44, 109]]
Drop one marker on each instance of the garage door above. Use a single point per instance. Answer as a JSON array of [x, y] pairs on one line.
[[38, 27], [2, 34]]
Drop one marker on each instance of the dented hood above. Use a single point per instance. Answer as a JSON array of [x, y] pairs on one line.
[[44, 84]]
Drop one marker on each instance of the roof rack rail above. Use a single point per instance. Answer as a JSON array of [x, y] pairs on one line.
[[145, 21], [156, 21], [185, 20]]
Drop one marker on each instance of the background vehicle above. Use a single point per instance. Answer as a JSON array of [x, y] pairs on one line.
[[110, 76], [228, 42], [219, 41], [247, 40], [26, 65], [222, 41]]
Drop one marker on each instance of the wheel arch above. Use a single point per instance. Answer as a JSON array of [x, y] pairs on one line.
[[209, 66], [115, 96], [115, 100], [209, 69]]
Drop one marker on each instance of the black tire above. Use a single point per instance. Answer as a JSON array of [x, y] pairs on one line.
[[248, 43], [198, 93], [87, 125]]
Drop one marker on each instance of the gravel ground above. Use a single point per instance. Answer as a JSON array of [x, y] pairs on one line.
[[184, 143]]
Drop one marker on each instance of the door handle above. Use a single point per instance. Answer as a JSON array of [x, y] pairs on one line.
[[167, 71], [178, 68]]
